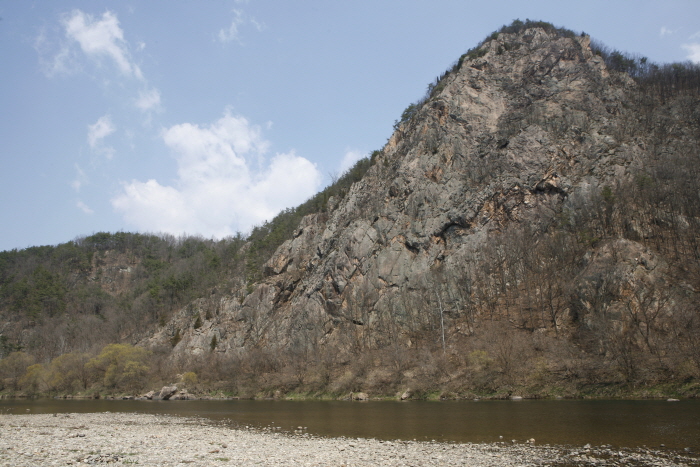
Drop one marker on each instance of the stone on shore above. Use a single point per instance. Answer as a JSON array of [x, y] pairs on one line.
[[141, 439], [167, 392]]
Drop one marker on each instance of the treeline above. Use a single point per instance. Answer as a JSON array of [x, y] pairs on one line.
[[659, 80], [119, 284], [117, 368], [107, 287]]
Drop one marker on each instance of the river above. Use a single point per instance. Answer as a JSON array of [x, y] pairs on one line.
[[620, 423]]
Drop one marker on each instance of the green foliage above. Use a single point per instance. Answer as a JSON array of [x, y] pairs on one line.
[[7, 347], [407, 114], [128, 280], [607, 194], [518, 26], [198, 322], [68, 372], [476, 53], [176, 338], [121, 366], [12, 368], [659, 80], [190, 379], [34, 379], [35, 293], [214, 342]]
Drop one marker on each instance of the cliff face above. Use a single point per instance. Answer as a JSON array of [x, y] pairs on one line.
[[515, 142]]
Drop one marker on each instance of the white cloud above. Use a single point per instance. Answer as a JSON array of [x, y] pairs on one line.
[[97, 132], [231, 33], [84, 207], [149, 99], [693, 52], [101, 38], [55, 58], [98, 39], [80, 178], [666, 31], [695, 36], [259, 26], [224, 182], [350, 158]]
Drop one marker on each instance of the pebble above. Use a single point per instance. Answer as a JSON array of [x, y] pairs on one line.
[[130, 438]]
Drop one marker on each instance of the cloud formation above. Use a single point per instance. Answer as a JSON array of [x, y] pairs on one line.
[[693, 50], [97, 132], [666, 31], [101, 38], [231, 33], [149, 99], [224, 183], [84, 207], [79, 180]]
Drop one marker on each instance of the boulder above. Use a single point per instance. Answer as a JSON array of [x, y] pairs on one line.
[[360, 396], [182, 396], [406, 395], [167, 392]]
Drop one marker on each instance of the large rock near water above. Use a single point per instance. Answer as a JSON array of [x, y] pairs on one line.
[[167, 392]]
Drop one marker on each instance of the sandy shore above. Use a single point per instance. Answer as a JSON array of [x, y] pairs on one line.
[[127, 438]]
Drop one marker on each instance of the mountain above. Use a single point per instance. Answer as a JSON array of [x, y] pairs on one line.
[[530, 227]]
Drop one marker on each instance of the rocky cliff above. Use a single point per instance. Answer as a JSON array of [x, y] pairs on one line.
[[529, 140]]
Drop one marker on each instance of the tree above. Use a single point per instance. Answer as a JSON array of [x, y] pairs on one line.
[[34, 380], [13, 367], [121, 366], [68, 372]]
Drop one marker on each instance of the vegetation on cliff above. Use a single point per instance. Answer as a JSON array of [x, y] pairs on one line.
[[531, 228]]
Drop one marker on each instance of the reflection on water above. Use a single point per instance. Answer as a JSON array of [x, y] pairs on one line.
[[620, 423]]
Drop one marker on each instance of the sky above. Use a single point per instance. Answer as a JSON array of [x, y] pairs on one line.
[[208, 118]]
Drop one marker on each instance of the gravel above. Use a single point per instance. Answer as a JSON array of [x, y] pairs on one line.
[[129, 438]]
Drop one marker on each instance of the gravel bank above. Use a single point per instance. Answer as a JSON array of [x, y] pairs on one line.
[[127, 438]]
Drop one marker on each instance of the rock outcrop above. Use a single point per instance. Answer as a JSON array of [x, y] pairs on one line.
[[515, 134], [167, 392]]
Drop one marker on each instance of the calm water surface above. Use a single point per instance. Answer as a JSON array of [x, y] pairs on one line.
[[620, 423]]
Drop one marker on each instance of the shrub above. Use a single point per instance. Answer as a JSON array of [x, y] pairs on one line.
[[190, 379], [121, 366], [13, 367]]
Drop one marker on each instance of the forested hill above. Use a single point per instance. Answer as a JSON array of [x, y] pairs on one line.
[[530, 227], [113, 287]]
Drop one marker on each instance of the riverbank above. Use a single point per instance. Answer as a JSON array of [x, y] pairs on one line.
[[591, 392], [602, 391], [129, 438]]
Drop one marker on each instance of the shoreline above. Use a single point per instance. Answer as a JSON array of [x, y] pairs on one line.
[[164, 440]]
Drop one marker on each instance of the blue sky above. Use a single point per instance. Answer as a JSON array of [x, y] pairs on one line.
[[209, 117]]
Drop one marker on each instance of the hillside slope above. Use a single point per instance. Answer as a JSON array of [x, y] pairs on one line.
[[531, 226]]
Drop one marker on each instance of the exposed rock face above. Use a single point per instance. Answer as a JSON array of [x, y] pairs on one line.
[[167, 392], [533, 123]]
